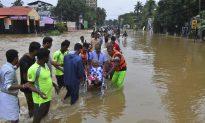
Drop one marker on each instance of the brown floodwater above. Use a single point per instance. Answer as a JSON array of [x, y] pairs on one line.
[[165, 82]]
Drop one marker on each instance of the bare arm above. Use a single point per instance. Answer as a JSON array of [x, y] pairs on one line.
[[15, 87], [55, 64], [104, 66], [25, 76], [112, 69]]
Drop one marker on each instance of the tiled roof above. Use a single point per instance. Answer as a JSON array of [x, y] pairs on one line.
[[15, 10]]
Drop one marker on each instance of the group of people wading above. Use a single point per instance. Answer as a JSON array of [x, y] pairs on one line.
[[100, 58]]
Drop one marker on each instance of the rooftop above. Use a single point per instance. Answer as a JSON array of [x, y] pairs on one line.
[[19, 10]]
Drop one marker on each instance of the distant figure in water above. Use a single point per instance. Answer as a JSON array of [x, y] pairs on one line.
[[125, 34]]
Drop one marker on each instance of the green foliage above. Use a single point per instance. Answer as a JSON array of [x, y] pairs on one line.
[[101, 15], [90, 16], [169, 15], [112, 22], [172, 15], [148, 11], [1, 5], [138, 10], [60, 27], [140, 15], [54, 33], [70, 10], [128, 18], [18, 3], [138, 7]]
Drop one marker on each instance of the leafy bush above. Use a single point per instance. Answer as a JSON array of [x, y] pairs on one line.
[[60, 27], [54, 33]]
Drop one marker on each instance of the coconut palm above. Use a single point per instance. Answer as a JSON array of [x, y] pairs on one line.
[[1, 5], [18, 3], [138, 7]]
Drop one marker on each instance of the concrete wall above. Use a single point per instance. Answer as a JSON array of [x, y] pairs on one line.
[[34, 14]]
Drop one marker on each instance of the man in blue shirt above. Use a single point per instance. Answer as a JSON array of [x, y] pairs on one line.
[[98, 55], [9, 88], [73, 73]]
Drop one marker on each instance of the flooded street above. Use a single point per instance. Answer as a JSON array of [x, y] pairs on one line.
[[165, 82]]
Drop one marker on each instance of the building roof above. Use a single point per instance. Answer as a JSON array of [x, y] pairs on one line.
[[15, 10], [36, 2]]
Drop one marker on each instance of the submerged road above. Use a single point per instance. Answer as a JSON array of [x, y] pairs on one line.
[[165, 82]]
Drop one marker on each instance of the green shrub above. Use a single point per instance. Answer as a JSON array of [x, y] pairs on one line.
[[54, 33], [60, 27]]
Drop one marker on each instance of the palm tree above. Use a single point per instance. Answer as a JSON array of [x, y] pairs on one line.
[[138, 7], [150, 6], [18, 3], [1, 5], [101, 15]]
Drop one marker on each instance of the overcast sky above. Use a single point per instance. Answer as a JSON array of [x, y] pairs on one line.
[[112, 7]]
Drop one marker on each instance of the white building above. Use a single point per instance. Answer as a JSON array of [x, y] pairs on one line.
[[40, 5]]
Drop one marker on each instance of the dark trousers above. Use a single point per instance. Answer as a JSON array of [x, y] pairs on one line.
[[30, 103], [40, 111], [74, 93], [60, 81]]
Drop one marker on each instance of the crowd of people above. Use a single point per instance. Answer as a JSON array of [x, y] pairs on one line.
[[99, 59]]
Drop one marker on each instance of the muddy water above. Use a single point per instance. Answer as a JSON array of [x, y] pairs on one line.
[[165, 82]]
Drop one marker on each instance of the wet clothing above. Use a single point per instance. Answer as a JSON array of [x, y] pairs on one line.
[[122, 63], [73, 72], [97, 73], [73, 93], [116, 47], [9, 107], [30, 103], [40, 111], [58, 57], [41, 78], [60, 81], [9, 104], [118, 78], [25, 63], [120, 70]]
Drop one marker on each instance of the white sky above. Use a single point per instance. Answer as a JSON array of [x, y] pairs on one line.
[[114, 8]]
